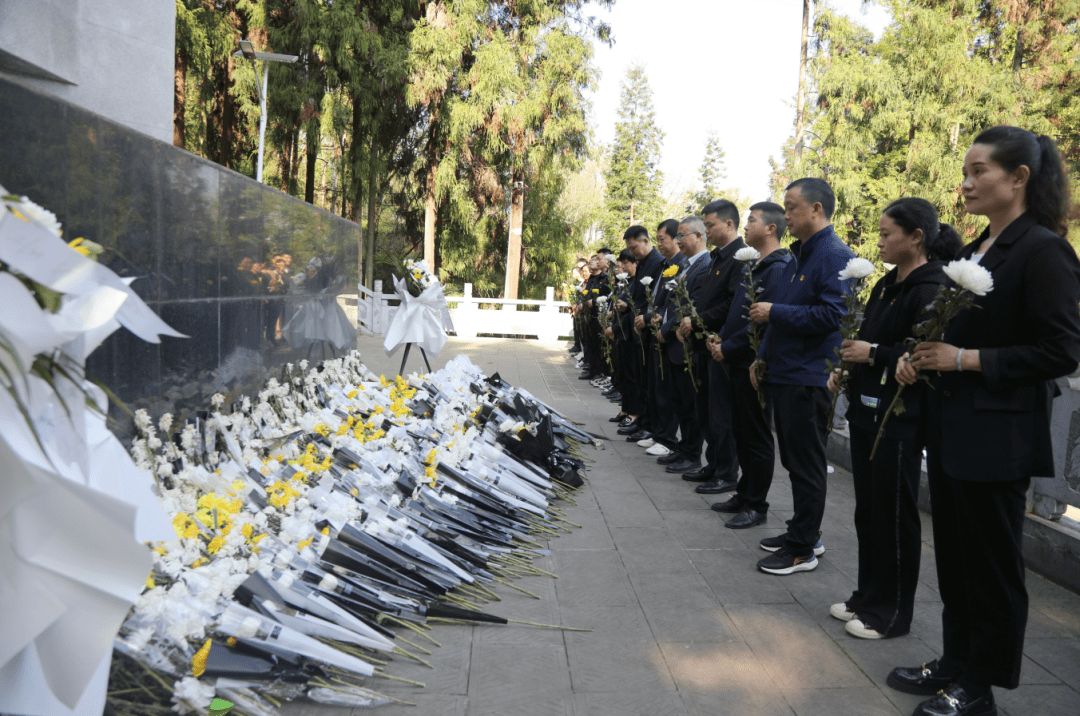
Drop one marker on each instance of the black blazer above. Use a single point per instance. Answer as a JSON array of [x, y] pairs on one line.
[[994, 425], [695, 279]]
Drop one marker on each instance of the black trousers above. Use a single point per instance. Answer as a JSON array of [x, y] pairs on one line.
[[662, 387], [888, 529], [701, 408], [721, 453], [799, 411], [754, 443], [631, 377], [978, 534], [685, 394], [648, 419]]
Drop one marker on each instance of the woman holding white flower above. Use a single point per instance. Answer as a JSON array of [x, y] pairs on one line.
[[989, 417], [887, 521]]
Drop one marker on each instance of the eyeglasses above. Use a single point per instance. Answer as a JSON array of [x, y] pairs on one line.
[[688, 233]]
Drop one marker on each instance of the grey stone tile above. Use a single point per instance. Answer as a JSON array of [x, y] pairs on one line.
[[628, 509], [629, 704], [451, 663], [794, 650], [734, 578], [593, 533], [878, 658], [1061, 657], [724, 678], [503, 670], [686, 625], [1043, 700], [632, 667], [865, 701], [512, 702], [610, 625]]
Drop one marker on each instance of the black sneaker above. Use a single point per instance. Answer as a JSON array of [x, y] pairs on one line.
[[771, 544], [783, 562]]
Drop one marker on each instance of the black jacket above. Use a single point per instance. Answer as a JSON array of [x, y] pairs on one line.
[[889, 319], [695, 279], [720, 287], [994, 425]]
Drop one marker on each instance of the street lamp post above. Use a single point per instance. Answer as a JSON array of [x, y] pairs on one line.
[[247, 50]]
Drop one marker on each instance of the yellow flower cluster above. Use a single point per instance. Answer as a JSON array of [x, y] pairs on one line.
[[322, 430], [431, 463], [198, 662], [282, 492], [670, 271], [184, 526]]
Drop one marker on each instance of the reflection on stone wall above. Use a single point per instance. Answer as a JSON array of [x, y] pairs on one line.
[[246, 271]]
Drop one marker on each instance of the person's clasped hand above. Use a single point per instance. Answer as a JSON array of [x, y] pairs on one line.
[[855, 351]]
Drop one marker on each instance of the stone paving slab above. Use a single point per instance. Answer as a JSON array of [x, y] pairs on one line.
[[682, 622]]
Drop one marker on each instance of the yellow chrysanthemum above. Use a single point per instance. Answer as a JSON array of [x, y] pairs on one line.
[[231, 641], [305, 543], [198, 662], [216, 544], [326, 530], [352, 394], [246, 530], [670, 271], [150, 582], [322, 430]]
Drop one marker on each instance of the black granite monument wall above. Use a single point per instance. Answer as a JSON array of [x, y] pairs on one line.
[[193, 233]]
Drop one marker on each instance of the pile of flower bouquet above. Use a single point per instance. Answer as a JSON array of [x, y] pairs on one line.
[[323, 520]]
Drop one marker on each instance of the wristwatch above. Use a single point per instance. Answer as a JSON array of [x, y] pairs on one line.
[[873, 352]]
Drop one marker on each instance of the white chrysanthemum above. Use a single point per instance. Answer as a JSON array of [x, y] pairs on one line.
[[39, 214], [166, 422], [142, 419], [601, 300], [217, 400], [747, 253], [190, 694], [970, 276], [647, 281], [857, 268]]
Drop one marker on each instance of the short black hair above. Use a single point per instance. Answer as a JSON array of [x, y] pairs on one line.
[[606, 250], [772, 214], [670, 227], [626, 257], [816, 191], [637, 233], [724, 210]]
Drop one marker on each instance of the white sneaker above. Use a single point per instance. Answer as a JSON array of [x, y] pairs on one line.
[[646, 443], [840, 611], [658, 450], [856, 628]]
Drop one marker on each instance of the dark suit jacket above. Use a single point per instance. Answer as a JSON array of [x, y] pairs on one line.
[[718, 289], [994, 425], [695, 279]]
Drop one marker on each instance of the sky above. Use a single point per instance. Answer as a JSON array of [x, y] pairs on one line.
[[730, 66]]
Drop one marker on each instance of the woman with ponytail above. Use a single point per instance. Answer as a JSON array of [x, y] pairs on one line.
[[887, 521], [988, 420]]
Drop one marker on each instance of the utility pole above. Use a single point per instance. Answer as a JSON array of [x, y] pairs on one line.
[[800, 111]]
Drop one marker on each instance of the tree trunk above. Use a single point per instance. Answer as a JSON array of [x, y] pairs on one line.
[[228, 116], [294, 168], [1018, 54], [513, 250], [312, 156], [430, 211], [357, 186], [631, 211], [800, 110], [372, 223], [179, 135]]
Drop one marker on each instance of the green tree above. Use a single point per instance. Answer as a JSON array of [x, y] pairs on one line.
[[711, 171], [633, 177]]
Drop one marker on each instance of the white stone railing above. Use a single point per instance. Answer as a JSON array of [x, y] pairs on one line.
[[545, 320]]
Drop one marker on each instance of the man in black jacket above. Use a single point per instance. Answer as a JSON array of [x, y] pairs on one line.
[[713, 401], [754, 443], [661, 371], [649, 265]]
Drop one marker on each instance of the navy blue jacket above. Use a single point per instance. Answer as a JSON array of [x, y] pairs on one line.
[[804, 322], [769, 275]]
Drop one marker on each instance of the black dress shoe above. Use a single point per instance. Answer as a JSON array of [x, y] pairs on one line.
[[683, 465], [749, 517], [669, 459], [715, 487], [733, 505], [586, 375], [629, 428], [702, 474], [639, 435], [618, 418], [615, 397], [953, 700], [923, 680]]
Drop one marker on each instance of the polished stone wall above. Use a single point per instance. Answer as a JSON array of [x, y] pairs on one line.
[[193, 233]]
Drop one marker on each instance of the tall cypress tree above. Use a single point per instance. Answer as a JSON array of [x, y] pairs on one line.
[[633, 176], [711, 172]]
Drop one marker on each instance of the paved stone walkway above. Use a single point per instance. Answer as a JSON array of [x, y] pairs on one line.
[[682, 621]]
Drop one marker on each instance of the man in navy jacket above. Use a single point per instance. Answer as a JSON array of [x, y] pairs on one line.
[[803, 330], [751, 423]]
